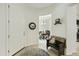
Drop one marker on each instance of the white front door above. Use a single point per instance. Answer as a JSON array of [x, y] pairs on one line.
[[15, 28]]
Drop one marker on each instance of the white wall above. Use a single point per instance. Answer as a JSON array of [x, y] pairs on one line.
[[20, 16], [59, 12], [3, 29], [71, 29], [31, 15]]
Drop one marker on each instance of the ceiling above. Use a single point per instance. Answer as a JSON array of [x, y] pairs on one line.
[[44, 5], [40, 5]]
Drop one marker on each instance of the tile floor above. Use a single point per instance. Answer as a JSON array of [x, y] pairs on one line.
[[51, 53]]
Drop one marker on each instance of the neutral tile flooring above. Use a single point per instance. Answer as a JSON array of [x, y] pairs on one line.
[[52, 53]]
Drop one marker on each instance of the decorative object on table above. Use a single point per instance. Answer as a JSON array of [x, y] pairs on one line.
[[32, 25], [58, 21]]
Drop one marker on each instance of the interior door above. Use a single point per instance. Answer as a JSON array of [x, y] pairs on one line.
[[16, 30]]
